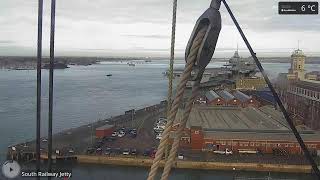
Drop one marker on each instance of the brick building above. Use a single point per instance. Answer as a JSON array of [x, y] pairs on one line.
[[303, 101], [299, 91], [262, 129]]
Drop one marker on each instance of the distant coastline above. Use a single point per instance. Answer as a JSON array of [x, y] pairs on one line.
[[27, 63]]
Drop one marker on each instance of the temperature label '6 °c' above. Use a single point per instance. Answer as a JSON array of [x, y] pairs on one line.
[[301, 7]]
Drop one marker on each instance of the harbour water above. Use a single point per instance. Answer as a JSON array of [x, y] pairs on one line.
[[83, 94]]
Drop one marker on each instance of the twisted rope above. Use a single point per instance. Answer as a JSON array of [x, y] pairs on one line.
[[175, 145], [173, 37], [175, 105]]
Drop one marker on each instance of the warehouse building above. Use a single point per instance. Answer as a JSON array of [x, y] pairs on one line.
[[225, 98], [249, 129], [245, 100], [212, 98], [229, 99]]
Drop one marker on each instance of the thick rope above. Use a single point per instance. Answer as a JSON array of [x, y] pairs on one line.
[[173, 38], [175, 105], [175, 145]]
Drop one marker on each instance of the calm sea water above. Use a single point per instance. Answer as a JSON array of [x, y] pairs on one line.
[[83, 94]]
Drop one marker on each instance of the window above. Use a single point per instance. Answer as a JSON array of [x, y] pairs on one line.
[[286, 145], [291, 145], [252, 144]]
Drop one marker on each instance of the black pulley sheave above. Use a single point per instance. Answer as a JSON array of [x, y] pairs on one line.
[[212, 19]]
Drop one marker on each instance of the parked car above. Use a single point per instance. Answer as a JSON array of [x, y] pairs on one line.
[[159, 136], [126, 152], [153, 153], [114, 134], [133, 131], [108, 151], [180, 156], [146, 152], [90, 150], [158, 129], [134, 135], [70, 151], [162, 126], [133, 151], [98, 151], [98, 145], [121, 134]]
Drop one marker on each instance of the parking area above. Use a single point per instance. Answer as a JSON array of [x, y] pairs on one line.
[[131, 138]]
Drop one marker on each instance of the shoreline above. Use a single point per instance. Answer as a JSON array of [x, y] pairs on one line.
[[200, 165]]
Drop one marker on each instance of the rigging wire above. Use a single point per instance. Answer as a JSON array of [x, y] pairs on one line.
[[39, 63], [52, 34]]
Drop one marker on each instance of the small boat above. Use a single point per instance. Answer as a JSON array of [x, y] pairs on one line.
[[109, 75]]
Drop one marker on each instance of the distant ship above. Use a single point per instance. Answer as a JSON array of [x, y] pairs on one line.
[[237, 67], [241, 67], [23, 69], [56, 66], [131, 64], [147, 61], [109, 75]]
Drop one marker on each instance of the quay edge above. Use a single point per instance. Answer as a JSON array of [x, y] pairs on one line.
[[146, 162]]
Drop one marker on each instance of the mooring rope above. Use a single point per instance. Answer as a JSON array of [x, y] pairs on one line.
[[173, 152], [191, 59]]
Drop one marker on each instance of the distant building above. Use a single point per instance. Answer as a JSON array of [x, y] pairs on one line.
[[296, 71], [314, 75], [251, 83], [299, 91], [225, 98]]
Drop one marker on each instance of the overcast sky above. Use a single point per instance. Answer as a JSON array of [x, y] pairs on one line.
[[143, 27]]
